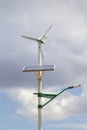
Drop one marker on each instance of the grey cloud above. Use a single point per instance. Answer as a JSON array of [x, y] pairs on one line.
[[66, 46]]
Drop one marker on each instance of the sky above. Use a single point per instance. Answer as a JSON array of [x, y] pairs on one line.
[[66, 47]]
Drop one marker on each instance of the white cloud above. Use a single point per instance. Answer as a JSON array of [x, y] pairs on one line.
[[64, 106], [71, 125]]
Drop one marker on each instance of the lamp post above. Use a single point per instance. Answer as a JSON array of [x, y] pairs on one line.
[[39, 71], [39, 88]]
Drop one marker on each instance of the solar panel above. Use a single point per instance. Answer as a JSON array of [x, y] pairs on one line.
[[39, 68]]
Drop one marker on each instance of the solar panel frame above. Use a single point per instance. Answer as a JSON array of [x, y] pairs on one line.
[[38, 68]]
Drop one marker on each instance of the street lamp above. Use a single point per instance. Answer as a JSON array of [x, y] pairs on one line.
[[52, 96]]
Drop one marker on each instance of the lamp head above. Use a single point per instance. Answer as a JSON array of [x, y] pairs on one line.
[[74, 86]]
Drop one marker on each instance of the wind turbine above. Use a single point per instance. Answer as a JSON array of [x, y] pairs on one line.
[[41, 40]]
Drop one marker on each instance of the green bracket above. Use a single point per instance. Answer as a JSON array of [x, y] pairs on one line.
[[50, 96], [45, 95], [39, 106]]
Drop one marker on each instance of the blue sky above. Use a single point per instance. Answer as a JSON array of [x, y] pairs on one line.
[[66, 47]]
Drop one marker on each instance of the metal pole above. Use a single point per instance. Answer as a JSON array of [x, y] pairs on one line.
[[39, 88]]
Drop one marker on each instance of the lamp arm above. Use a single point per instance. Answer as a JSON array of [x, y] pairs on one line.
[[55, 96], [71, 87]]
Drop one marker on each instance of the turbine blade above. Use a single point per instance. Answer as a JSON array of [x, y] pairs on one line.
[[47, 30], [31, 38]]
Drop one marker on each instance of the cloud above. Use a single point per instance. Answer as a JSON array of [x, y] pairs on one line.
[[66, 45], [66, 105], [66, 48], [71, 125]]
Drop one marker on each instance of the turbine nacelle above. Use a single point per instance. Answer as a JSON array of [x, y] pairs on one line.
[[42, 40]]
